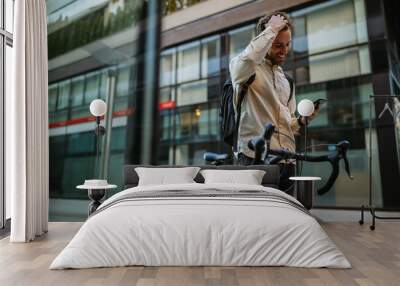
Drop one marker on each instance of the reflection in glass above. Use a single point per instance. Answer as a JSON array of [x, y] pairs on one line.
[[299, 37], [167, 67], [86, 41], [166, 126], [79, 23], [239, 39], [123, 81], [339, 64], [189, 62], [167, 94], [182, 155], [53, 97], [200, 119], [214, 122], [343, 117], [103, 84], [92, 88], [302, 72], [213, 88], [183, 124], [190, 93], [329, 26], [63, 95], [77, 91], [210, 64]]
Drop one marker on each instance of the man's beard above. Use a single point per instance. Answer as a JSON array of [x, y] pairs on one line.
[[273, 60]]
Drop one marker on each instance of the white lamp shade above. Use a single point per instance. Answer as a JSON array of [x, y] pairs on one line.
[[98, 107], [305, 107]]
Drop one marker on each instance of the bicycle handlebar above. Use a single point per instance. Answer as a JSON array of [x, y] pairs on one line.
[[215, 159], [333, 158], [262, 144]]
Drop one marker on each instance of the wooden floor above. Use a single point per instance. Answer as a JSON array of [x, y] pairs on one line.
[[375, 257]]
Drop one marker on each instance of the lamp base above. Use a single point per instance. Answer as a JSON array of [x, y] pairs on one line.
[[96, 195]]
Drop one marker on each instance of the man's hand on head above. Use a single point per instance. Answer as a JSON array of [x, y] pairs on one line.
[[277, 23]]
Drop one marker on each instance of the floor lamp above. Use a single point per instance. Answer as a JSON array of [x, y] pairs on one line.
[[305, 109], [98, 108]]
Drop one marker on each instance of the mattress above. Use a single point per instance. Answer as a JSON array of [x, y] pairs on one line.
[[201, 225]]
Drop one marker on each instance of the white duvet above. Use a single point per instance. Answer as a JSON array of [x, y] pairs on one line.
[[200, 231]]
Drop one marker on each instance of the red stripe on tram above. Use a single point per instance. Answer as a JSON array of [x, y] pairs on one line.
[[118, 113]]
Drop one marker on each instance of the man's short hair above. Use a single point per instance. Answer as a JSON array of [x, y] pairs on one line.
[[263, 21]]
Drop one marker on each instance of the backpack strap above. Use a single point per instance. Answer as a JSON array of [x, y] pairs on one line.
[[291, 83], [243, 91]]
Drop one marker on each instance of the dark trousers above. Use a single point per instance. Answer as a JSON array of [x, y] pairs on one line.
[[287, 170]]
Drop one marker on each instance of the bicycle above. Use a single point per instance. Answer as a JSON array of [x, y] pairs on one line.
[[261, 145]]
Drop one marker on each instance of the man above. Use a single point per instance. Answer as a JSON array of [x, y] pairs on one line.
[[267, 98]]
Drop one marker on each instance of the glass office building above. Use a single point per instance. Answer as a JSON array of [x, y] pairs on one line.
[[334, 56], [330, 59], [107, 50]]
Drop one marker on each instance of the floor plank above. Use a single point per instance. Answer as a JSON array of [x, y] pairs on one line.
[[374, 255]]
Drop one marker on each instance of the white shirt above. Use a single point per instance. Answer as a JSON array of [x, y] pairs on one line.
[[267, 97]]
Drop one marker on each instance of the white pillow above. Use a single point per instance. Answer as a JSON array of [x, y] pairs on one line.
[[163, 176], [248, 177]]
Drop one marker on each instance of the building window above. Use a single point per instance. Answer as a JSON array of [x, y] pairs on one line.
[[210, 59], [123, 81], [53, 90], [239, 39], [339, 64], [77, 90], [103, 84], [191, 93], [189, 62], [167, 67], [166, 126], [330, 42], [63, 96], [92, 87], [335, 24], [167, 94], [183, 124]]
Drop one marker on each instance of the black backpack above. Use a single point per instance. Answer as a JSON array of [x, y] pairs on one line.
[[229, 125]]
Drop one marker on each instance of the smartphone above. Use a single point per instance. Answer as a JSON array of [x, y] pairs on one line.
[[319, 101]]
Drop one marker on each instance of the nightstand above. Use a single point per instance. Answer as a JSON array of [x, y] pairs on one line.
[[96, 191], [305, 190]]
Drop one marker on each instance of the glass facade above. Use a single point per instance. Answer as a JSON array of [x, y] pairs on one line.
[[96, 51], [72, 137], [330, 58], [190, 82]]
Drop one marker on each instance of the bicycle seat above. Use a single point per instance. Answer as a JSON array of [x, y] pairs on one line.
[[214, 157]]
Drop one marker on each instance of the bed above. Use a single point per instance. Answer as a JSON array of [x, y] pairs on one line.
[[201, 224]]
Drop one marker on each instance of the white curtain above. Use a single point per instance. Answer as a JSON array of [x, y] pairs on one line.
[[27, 124]]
